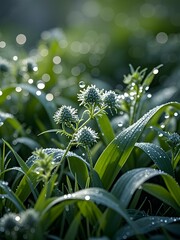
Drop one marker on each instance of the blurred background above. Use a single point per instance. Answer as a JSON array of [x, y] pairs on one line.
[[141, 32]]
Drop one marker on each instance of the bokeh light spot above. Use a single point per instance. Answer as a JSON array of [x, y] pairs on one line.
[[21, 39], [2, 44], [162, 37]]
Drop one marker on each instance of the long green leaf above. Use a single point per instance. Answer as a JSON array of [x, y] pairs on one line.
[[73, 228], [22, 164], [161, 193], [105, 127], [80, 169], [97, 195], [145, 225], [158, 156], [11, 196], [117, 152], [132, 180], [126, 186]]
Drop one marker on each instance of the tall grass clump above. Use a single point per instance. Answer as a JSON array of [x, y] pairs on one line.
[[101, 165]]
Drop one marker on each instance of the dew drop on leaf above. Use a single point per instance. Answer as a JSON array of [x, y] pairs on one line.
[[155, 71], [82, 84], [87, 197], [120, 124]]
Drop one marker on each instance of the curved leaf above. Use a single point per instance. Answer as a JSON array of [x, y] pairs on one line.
[[117, 152], [161, 193], [158, 156], [11, 196], [97, 195], [145, 225], [132, 180]]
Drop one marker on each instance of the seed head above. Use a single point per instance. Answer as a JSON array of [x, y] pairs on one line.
[[90, 96], [8, 222], [86, 137], [66, 115], [29, 218], [111, 99]]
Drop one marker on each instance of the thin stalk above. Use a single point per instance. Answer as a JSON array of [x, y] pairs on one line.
[[91, 164]]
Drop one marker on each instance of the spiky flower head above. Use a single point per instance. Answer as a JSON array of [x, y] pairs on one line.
[[86, 137], [66, 115], [9, 223], [29, 218], [111, 99], [90, 96]]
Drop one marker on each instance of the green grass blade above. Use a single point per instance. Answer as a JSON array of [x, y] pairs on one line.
[[79, 168], [130, 181], [158, 156], [96, 195], [145, 225], [105, 127], [45, 194], [12, 197], [21, 162], [73, 228], [161, 193], [117, 152]]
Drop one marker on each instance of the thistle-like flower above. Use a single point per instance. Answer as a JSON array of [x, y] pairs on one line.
[[66, 115], [86, 137], [9, 223], [111, 100], [90, 96], [29, 219]]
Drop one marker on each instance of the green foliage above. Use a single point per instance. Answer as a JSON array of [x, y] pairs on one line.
[[106, 168]]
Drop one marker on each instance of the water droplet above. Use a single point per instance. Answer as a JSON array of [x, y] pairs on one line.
[[49, 97], [175, 114], [155, 71], [160, 135], [38, 93], [87, 198], [40, 85], [162, 126], [30, 81], [82, 84], [17, 218], [15, 58], [120, 124], [147, 88], [18, 89], [56, 60], [166, 116], [149, 95], [35, 69]]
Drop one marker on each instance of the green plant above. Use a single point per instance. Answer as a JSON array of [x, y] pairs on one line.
[[105, 182]]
